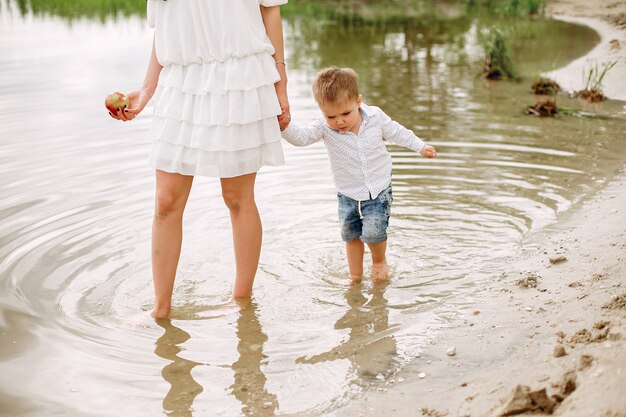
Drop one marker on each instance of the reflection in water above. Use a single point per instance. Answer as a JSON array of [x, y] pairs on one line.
[[249, 386], [179, 399], [371, 346]]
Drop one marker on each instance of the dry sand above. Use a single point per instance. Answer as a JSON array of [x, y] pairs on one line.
[[608, 18], [547, 335]]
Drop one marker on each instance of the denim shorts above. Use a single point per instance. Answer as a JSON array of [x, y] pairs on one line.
[[366, 220]]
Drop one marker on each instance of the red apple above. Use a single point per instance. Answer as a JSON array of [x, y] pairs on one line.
[[115, 101]]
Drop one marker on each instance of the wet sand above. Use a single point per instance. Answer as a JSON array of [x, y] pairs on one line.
[[568, 295], [546, 336]]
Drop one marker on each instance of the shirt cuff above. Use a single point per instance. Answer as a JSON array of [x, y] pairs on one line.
[[419, 144], [289, 130]]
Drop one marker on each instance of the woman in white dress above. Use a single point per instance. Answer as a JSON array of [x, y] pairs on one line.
[[217, 76]]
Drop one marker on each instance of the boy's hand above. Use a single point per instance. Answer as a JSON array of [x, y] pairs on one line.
[[428, 151]]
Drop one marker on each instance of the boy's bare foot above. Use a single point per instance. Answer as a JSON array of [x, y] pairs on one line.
[[160, 312], [380, 272], [356, 279]]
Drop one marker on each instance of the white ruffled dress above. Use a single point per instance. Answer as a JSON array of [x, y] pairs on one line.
[[215, 106]]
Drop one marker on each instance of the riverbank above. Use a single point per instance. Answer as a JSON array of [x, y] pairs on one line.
[[546, 336], [608, 18], [554, 320]]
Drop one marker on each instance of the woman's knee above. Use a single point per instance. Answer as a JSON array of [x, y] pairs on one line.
[[168, 202], [236, 199], [238, 192], [232, 199]]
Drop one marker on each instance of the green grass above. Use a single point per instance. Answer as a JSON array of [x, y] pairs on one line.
[[73, 9], [349, 11], [515, 8], [357, 11], [593, 82], [583, 114], [593, 78], [363, 11], [498, 62]]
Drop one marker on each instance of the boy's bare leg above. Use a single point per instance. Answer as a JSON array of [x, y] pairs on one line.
[[172, 192], [238, 194], [380, 269], [354, 252]]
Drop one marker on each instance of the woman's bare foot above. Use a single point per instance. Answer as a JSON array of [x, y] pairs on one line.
[[356, 279], [160, 312], [380, 272]]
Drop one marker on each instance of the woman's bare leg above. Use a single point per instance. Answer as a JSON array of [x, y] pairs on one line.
[[380, 270], [238, 193], [172, 192]]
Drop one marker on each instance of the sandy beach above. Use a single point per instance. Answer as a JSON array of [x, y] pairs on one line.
[[546, 336], [608, 18]]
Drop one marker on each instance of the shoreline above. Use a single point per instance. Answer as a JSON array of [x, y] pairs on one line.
[[509, 335], [552, 325], [609, 21]]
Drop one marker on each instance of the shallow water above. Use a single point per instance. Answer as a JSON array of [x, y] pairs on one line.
[[76, 206]]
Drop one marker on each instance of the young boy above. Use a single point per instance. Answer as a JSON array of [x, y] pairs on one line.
[[353, 133]]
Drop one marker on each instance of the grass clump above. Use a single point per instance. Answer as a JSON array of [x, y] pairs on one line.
[[515, 8], [593, 82], [543, 108], [497, 62], [583, 114], [545, 87]]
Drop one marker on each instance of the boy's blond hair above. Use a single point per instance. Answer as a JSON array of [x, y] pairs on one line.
[[333, 85]]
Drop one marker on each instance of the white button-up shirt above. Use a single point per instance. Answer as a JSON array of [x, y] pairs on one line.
[[361, 164]]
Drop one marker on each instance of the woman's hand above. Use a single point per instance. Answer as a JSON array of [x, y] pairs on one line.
[[285, 117], [138, 100], [428, 152]]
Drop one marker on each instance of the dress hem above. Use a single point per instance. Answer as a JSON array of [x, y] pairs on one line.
[[246, 172]]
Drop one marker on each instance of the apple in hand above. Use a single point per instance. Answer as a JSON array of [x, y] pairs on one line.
[[116, 101]]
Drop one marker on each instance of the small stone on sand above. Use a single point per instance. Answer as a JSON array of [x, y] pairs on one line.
[[557, 259], [559, 351]]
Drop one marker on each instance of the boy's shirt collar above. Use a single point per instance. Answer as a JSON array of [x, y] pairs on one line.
[[365, 111], [364, 119]]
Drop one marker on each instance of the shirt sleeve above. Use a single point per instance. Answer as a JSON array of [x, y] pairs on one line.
[[151, 12], [394, 132], [270, 3], [304, 136]]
